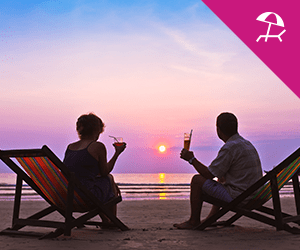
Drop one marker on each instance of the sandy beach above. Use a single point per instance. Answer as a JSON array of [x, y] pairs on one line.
[[151, 228]]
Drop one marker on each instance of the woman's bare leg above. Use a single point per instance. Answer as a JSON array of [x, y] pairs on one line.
[[116, 192]]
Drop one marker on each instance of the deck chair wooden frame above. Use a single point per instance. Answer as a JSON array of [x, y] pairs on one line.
[[67, 211], [266, 188]]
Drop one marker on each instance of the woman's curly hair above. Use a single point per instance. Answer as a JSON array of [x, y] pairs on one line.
[[88, 124]]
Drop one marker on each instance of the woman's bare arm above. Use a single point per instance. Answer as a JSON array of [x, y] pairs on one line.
[[99, 150]]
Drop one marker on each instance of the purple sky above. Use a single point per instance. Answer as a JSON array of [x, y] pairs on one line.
[[150, 70]]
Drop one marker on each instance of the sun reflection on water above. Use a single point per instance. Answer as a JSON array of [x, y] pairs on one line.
[[162, 177], [162, 195]]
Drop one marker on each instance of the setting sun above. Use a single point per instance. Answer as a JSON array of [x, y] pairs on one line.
[[162, 148]]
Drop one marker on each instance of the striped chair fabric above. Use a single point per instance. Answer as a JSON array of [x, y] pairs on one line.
[[265, 192], [51, 181]]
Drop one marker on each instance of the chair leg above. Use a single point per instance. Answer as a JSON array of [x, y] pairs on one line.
[[276, 203], [69, 209], [35, 216], [17, 201], [212, 219], [232, 219], [56, 233], [296, 192]]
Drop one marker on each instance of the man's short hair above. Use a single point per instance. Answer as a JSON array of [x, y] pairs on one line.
[[227, 123]]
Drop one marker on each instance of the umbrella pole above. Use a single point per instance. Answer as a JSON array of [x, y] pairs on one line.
[[269, 27]]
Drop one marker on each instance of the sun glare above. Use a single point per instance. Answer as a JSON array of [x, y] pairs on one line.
[[162, 148]]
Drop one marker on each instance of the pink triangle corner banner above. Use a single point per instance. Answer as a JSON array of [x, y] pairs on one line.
[[270, 28]]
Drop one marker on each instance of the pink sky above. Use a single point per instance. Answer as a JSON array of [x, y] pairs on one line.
[[149, 79]]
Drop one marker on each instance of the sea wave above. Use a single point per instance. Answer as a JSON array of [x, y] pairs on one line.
[[130, 191]]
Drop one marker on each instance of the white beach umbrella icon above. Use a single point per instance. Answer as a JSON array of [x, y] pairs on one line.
[[279, 22]]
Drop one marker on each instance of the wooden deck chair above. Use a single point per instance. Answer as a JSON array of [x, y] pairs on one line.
[[259, 193], [52, 180]]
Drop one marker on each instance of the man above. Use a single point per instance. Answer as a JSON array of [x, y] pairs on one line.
[[237, 167]]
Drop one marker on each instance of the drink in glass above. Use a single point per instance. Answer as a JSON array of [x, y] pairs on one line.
[[187, 140], [119, 141]]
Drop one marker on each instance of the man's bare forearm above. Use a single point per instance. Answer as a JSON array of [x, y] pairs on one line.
[[202, 169]]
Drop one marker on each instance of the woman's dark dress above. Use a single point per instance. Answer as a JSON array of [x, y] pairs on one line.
[[86, 169]]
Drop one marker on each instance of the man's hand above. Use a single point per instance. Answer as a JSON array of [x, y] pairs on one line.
[[186, 155]]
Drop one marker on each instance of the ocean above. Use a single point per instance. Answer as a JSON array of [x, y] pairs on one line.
[[133, 186], [157, 186]]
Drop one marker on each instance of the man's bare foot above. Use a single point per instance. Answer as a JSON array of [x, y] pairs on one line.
[[186, 225]]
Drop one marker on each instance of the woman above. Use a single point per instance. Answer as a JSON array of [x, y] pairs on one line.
[[87, 158]]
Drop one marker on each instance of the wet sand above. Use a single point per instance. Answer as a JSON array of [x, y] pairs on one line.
[[151, 223]]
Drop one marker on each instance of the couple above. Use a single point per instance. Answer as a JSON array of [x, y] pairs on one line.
[[237, 166]]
